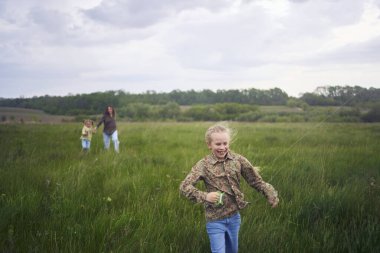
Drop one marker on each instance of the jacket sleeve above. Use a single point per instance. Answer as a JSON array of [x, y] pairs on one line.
[[100, 122], [253, 178], [187, 187]]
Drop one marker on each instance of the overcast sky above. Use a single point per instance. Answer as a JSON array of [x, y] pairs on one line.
[[56, 47]]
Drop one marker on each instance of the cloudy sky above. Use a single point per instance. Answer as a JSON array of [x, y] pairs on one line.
[[57, 47]]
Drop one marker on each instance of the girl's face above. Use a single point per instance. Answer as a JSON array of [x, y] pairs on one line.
[[219, 144], [109, 109], [88, 123]]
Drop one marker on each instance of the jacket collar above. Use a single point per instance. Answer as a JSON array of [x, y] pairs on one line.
[[213, 159]]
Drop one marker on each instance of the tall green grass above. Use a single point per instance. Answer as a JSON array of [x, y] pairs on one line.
[[53, 198]]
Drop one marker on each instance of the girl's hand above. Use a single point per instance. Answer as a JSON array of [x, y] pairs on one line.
[[212, 197], [273, 201]]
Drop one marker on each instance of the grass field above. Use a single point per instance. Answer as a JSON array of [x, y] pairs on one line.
[[23, 115], [53, 198]]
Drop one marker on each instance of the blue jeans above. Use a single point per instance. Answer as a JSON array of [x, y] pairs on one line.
[[107, 139], [223, 234], [86, 144]]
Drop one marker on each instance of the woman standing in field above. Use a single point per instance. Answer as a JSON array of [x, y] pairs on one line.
[[221, 171], [109, 130]]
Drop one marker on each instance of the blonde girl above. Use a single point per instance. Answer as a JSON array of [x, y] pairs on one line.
[[221, 172], [87, 131]]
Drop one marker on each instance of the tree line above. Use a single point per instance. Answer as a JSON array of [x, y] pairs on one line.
[[342, 95], [207, 104], [94, 103]]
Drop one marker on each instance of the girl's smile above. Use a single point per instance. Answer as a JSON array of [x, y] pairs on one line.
[[219, 144]]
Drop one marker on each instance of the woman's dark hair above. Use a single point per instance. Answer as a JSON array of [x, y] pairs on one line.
[[113, 111]]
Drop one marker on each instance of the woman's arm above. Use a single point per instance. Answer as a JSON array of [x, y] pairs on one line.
[[100, 122]]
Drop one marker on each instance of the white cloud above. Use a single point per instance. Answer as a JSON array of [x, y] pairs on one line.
[[142, 13], [138, 45]]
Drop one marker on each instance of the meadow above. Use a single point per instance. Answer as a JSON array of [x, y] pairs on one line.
[[53, 198]]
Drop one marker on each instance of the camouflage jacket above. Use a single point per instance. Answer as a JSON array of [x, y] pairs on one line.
[[224, 176]]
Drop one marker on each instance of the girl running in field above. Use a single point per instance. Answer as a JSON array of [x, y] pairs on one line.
[[221, 172], [87, 131]]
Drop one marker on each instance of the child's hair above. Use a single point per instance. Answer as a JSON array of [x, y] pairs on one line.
[[88, 120], [220, 128]]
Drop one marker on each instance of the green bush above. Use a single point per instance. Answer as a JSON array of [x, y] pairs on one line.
[[373, 115]]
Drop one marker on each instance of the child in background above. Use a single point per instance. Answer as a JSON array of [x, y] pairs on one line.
[[221, 172], [87, 131]]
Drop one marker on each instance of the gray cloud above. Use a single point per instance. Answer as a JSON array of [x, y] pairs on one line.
[[134, 44], [143, 13], [52, 21], [123, 17], [234, 41], [377, 2], [298, 1], [253, 37], [354, 53], [320, 15]]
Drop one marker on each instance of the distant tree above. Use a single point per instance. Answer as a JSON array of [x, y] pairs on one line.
[[315, 99], [136, 111], [203, 112], [170, 111], [295, 102], [373, 115], [341, 95], [230, 111]]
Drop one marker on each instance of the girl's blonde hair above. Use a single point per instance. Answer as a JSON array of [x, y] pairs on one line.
[[221, 127], [88, 120]]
